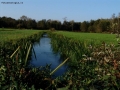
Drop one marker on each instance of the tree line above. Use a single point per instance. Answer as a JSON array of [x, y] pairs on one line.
[[100, 25]]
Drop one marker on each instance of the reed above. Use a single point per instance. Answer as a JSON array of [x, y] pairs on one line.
[[59, 66], [14, 70], [15, 52], [91, 65], [28, 52]]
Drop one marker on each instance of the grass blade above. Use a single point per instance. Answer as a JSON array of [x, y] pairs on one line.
[[15, 52], [58, 66], [27, 54]]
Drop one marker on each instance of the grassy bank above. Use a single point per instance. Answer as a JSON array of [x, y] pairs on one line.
[[15, 53], [15, 50], [92, 67]]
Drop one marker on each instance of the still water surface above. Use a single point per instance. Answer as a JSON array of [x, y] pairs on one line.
[[45, 55]]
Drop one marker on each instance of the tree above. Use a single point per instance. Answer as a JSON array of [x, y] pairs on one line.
[[91, 27], [42, 24], [31, 24], [24, 18], [113, 24], [49, 21], [84, 26], [103, 25], [72, 24], [64, 26], [96, 26], [56, 24], [118, 26], [0, 22], [19, 23], [34, 24], [7, 22], [76, 26]]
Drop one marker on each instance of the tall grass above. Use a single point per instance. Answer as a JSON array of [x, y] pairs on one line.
[[69, 47], [91, 66], [15, 73]]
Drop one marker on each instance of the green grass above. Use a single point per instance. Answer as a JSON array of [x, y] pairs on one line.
[[90, 67], [87, 37], [13, 34]]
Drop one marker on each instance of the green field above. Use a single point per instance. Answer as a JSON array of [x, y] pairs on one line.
[[96, 37], [13, 34]]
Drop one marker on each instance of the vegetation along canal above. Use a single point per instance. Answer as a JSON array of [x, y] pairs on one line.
[[45, 55]]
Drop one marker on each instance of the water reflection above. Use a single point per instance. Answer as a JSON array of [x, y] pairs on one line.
[[45, 55]]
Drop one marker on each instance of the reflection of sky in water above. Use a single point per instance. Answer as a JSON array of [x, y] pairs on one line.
[[45, 56]]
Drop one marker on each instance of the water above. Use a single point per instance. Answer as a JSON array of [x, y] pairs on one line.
[[45, 55]]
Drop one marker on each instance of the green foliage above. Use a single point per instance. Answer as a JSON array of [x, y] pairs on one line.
[[110, 25]]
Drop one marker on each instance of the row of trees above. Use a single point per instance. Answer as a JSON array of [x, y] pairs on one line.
[[100, 25]]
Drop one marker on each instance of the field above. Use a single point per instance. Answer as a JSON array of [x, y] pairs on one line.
[[96, 37], [14, 34]]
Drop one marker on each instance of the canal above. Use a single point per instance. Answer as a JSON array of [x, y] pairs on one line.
[[45, 55]]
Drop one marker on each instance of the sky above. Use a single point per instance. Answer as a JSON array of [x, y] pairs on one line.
[[77, 10]]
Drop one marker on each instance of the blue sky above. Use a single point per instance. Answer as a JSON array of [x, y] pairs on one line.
[[77, 10]]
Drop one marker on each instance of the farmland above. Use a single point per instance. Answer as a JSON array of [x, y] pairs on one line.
[[13, 34]]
